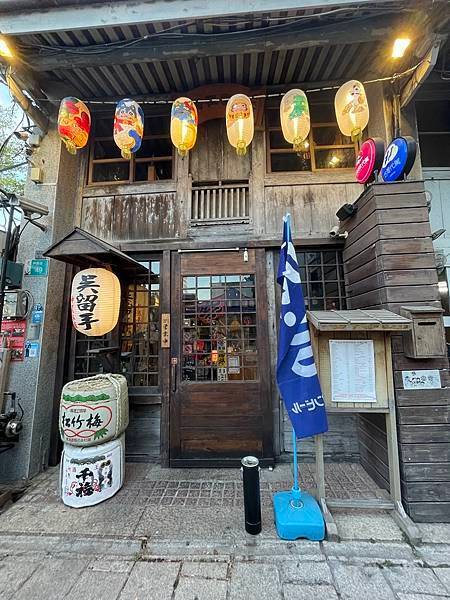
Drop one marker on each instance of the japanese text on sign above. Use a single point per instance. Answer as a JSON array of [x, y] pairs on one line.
[[86, 302]]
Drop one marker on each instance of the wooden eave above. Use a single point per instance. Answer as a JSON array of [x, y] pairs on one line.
[[85, 250], [359, 320]]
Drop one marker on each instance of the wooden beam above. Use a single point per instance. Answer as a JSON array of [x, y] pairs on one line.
[[34, 112], [419, 75], [113, 14], [165, 47]]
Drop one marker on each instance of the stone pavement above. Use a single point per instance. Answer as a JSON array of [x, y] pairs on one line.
[[170, 535]]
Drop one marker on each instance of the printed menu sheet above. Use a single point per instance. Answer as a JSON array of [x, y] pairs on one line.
[[352, 371]]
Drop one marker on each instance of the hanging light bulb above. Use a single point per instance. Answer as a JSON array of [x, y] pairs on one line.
[[183, 125], [352, 110], [295, 119], [239, 121]]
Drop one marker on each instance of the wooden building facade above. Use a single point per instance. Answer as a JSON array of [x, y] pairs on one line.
[[208, 226]]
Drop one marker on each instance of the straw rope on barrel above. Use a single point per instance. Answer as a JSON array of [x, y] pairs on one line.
[[94, 410]]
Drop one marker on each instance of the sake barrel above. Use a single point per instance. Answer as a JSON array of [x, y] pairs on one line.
[[93, 410], [90, 475]]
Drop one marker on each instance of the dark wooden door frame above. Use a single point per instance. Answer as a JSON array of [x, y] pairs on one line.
[[174, 372]]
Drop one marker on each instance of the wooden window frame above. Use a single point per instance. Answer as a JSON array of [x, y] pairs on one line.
[[312, 148], [132, 162]]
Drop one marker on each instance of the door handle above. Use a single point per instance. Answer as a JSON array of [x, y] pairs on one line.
[[173, 375]]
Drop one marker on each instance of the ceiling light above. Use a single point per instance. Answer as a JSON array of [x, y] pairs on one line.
[[399, 48], [5, 50]]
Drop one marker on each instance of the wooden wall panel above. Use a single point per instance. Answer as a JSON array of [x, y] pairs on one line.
[[129, 217], [389, 262]]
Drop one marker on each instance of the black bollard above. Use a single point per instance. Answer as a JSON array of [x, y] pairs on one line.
[[252, 496]]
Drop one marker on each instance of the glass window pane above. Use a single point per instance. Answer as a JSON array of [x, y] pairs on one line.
[[111, 171], [291, 161], [329, 136], [106, 149], [335, 158]]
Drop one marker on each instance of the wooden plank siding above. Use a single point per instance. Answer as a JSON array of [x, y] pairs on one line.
[[389, 262]]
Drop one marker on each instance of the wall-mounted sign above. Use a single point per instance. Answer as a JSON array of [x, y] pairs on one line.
[[37, 314], [37, 267], [165, 330], [421, 380], [399, 158], [31, 349], [15, 333], [369, 160]]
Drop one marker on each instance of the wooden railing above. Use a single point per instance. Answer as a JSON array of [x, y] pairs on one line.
[[220, 202]]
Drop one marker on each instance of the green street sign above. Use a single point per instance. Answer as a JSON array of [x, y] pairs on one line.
[[37, 267]]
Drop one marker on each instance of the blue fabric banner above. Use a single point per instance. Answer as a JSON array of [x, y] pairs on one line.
[[296, 371]]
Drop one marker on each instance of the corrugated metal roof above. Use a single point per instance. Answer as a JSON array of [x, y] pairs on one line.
[[268, 68]]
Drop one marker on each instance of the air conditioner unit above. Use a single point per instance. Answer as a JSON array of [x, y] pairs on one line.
[[16, 305]]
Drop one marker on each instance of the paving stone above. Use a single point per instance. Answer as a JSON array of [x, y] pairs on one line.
[[420, 597], [151, 580], [305, 572], [369, 552], [192, 588], [52, 579], [361, 583], [435, 555], [111, 566], [206, 570], [309, 592], [414, 580], [444, 576], [435, 533], [100, 585], [12, 577], [362, 526], [251, 581]]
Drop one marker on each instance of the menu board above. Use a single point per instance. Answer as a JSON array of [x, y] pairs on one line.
[[352, 371]]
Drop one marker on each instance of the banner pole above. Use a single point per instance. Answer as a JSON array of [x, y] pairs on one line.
[[294, 445]]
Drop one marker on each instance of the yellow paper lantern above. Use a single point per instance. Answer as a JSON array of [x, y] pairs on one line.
[[352, 110], [240, 127], [183, 125], [295, 119], [74, 123], [95, 301], [128, 127]]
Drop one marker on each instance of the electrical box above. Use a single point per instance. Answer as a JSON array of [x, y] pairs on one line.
[[14, 274], [16, 305], [426, 339]]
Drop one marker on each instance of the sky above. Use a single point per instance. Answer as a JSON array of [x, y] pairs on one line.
[[5, 96]]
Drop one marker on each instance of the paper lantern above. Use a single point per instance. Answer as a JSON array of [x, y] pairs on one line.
[[128, 127], [295, 119], [74, 123], [183, 125], [95, 301], [240, 126], [352, 110]]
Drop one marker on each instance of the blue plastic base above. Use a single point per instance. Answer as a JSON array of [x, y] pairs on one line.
[[295, 520]]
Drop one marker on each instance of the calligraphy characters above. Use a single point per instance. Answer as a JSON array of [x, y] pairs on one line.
[[91, 479], [95, 301], [86, 300]]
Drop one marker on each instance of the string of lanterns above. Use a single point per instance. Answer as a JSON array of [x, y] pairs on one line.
[[351, 107]]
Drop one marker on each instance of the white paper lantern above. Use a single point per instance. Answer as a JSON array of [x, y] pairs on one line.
[[295, 119], [95, 301], [352, 110]]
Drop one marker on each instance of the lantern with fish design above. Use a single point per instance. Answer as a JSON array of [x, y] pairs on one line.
[[128, 127], [352, 109], [183, 125], [95, 301], [239, 121], [74, 123], [295, 119]]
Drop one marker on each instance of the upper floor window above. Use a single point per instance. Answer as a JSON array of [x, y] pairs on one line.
[[325, 149], [433, 123], [153, 161]]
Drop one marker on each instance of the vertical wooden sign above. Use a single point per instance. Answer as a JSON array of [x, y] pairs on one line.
[[165, 330]]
